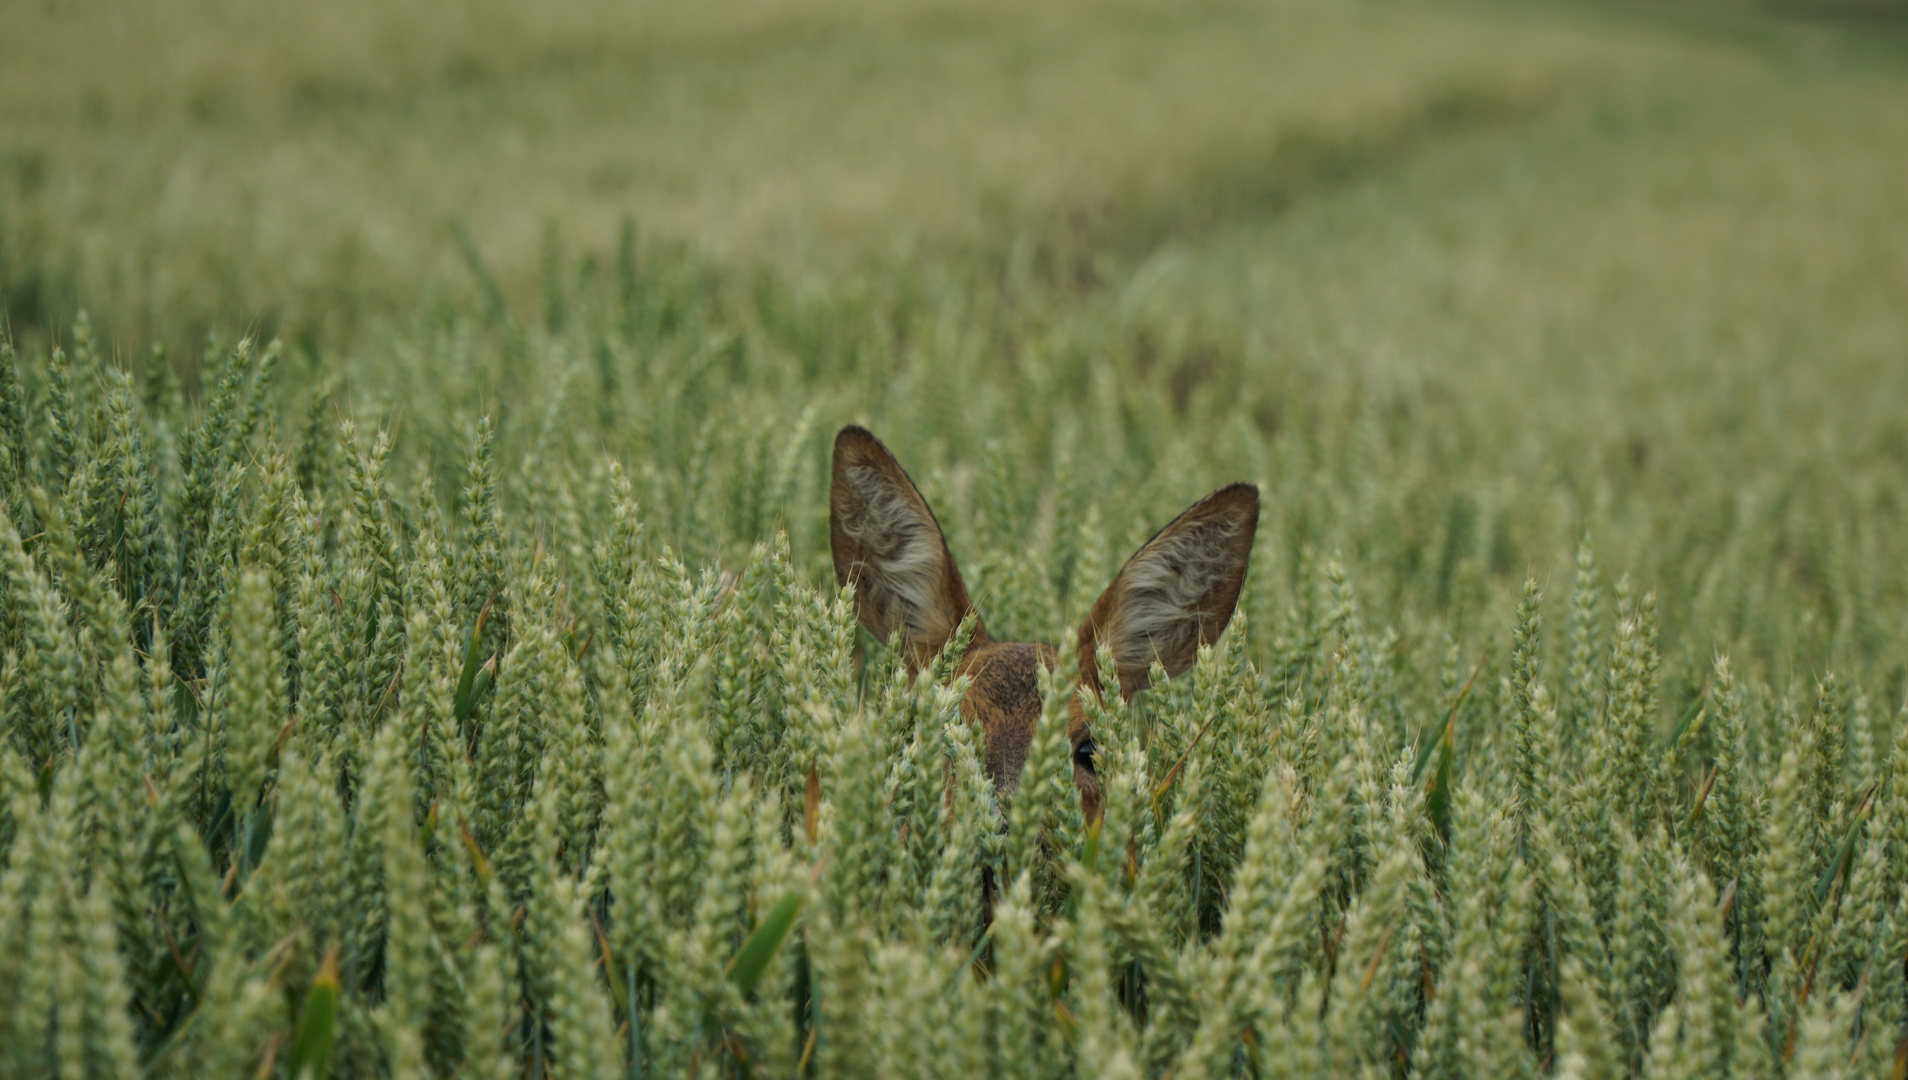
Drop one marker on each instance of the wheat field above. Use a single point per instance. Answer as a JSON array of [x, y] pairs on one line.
[[420, 654]]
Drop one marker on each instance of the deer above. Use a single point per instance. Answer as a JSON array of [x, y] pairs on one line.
[[1174, 595]]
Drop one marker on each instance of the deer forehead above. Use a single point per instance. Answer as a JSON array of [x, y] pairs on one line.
[[1004, 698]]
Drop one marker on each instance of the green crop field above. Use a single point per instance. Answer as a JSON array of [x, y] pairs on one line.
[[421, 655]]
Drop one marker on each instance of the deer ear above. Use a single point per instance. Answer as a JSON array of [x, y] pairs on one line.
[[886, 541], [1176, 593]]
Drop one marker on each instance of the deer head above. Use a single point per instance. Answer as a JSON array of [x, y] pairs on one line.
[[1176, 593]]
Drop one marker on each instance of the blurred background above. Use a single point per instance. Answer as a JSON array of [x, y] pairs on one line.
[[1354, 174]]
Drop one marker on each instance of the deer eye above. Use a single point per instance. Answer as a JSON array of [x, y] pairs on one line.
[[1083, 755]]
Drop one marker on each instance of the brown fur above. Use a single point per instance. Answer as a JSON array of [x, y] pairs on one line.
[[1176, 593], [1005, 700]]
